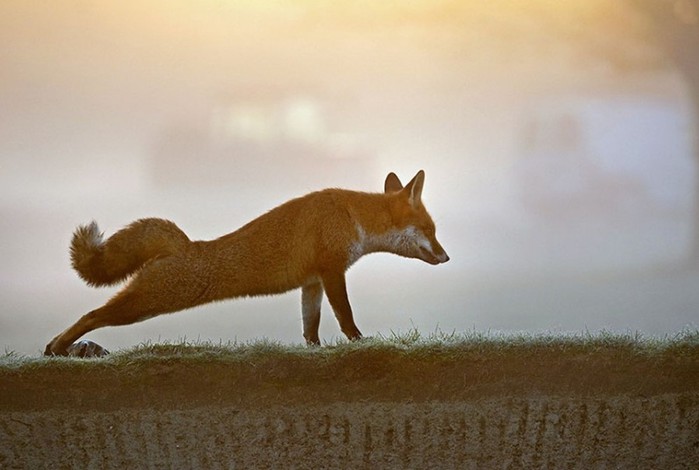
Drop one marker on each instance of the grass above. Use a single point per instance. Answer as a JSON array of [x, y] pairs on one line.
[[399, 367], [412, 343]]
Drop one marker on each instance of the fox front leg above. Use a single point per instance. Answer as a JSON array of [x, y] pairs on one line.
[[311, 298], [336, 290]]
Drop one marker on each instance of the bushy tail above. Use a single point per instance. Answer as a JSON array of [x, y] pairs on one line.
[[104, 263]]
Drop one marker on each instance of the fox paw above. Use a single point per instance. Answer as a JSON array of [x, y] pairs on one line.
[[82, 348]]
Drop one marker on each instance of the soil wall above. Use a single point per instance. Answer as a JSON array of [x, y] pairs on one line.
[[540, 432]]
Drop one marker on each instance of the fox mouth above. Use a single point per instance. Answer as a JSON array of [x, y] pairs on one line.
[[429, 257]]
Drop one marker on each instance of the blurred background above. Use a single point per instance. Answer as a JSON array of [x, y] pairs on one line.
[[559, 140]]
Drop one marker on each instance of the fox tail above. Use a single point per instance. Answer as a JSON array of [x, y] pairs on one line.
[[104, 263]]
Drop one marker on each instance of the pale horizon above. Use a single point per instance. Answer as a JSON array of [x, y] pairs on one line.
[[557, 140]]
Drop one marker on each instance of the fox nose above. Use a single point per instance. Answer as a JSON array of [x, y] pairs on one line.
[[443, 257]]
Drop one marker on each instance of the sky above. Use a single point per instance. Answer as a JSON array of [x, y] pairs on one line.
[[555, 136]]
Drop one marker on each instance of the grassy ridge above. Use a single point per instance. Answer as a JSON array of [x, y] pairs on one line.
[[408, 400], [408, 344], [401, 368]]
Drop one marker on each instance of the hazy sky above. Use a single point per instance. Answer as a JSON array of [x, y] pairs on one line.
[[555, 136]]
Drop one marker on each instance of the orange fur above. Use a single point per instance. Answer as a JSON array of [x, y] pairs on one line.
[[306, 243]]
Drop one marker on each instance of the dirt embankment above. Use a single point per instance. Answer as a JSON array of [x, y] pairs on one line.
[[545, 432], [519, 408]]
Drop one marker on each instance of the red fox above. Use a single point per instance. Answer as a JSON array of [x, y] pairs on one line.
[[308, 242]]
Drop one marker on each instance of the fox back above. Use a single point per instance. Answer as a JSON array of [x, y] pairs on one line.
[[322, 232]]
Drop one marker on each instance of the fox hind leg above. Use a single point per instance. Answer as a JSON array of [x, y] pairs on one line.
[[151, 293], [131, 305], [115, 312]]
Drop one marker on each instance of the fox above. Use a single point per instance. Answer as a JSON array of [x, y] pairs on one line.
[[308, 243]]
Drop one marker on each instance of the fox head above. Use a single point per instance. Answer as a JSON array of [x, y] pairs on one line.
[[413, 231]]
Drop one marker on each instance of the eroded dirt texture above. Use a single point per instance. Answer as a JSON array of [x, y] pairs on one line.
[[545, 432], [524, 408]]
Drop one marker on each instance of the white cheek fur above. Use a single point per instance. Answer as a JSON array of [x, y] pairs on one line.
[[401, 242]]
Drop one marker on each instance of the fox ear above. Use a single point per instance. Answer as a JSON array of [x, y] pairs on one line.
[[414, 189], [392, 184]]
